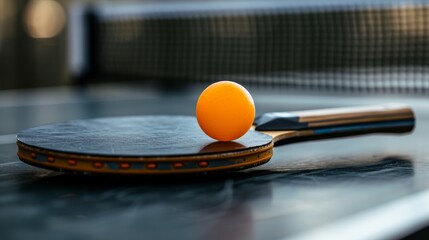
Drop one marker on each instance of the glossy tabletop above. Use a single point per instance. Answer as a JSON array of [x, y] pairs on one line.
[[366, 187]]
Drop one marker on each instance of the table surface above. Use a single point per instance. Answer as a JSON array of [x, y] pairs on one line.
[[366, 187]]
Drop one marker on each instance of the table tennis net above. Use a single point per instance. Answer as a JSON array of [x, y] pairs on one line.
[[359, 47]]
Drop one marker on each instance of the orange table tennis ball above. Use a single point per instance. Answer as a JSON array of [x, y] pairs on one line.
[[225, 111]]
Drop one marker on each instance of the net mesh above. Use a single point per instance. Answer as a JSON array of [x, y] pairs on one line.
[[352, 47]]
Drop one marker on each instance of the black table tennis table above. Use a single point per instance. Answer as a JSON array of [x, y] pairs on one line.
[[366, 187]]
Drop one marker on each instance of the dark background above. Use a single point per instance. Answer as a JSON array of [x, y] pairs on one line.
[[354, 46]]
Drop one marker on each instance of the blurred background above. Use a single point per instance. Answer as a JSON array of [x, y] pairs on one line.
[[34, 44], [342, 46]]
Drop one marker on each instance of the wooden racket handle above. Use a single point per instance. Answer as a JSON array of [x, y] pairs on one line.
[[394, 118]]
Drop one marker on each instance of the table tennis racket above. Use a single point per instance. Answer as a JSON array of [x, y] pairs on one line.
[[176, 144]]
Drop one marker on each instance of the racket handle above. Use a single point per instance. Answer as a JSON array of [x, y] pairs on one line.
[[336, 122]]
